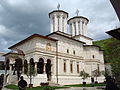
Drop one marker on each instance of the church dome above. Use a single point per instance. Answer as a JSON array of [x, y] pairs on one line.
[[78, 18], [58, 20], [78, 25], [59, 12]]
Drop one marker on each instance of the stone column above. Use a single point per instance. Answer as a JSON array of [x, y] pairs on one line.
[[44, 68], [73, 30], [84, 29], [5, 79], [23, 68], [56, 23], [51, 24], [70, 27], [77, 31], [35, 67], [60, 23], [10, 79], [65, 24]]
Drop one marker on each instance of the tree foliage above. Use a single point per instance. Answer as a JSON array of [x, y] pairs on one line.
[[111, 49], [84, 75]]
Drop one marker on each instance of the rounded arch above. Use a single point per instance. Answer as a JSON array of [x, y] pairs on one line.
[[25, 66], [41, 60], [48, 69], [18, 64], [32, 63], [40, 66], [31, 60], [49, 61], [18, 67], [25, 62]]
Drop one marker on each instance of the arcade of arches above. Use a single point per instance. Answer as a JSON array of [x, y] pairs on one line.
[[25, 67]]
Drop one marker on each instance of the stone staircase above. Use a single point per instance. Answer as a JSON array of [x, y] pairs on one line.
[[51, 83]]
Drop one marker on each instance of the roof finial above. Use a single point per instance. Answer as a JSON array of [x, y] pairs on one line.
[[77, 12], [58, 6]]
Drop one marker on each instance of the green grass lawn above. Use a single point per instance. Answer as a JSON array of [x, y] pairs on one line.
[[87, 85], [14, 87]]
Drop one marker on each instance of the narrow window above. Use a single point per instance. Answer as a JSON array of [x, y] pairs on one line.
[[78, 67], [75, 27], [63, 24], [79, 27], [74, 52], [67, 50], [93, 56], [58, 21], [53, 24], [64, 66], [71, 67], [98, 67]]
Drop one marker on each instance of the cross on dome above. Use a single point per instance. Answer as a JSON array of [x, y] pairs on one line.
[[58, 6], [77, 12]]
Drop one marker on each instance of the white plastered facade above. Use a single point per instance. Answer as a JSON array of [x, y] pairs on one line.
[[64, 49]]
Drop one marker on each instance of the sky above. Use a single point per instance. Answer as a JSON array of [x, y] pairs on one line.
[[22, 18]]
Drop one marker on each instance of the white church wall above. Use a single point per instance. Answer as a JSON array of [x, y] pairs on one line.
[[93, 53], [36, 43], [71, 45], [84, 39]]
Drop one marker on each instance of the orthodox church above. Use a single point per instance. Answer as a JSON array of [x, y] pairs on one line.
[[58, 57]]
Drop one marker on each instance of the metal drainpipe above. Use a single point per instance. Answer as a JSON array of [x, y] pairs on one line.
[[57, 61]]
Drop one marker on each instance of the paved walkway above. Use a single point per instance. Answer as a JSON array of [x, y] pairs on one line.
[[81, 88], [72, 88], [6, 89]]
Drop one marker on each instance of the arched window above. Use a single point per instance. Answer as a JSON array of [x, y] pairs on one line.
[[40, 66], [63, 23], [98, 67], [67, 50], [48, 69], [58, 17], [78, 67], [32, 66], [18, 64], [74, 52], [48, 46], [64, 66], [25, 67], [71, 66]]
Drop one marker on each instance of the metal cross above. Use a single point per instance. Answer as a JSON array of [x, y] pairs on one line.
[[58, 6], [77, 12]]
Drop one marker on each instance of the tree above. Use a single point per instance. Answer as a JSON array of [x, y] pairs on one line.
[[96, 73], [84, 75], [31, 71], [114, 54]]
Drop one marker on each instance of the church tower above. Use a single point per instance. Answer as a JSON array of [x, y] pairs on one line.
[[78, 25], [78, 28], [58, 20]]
